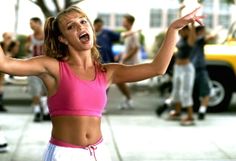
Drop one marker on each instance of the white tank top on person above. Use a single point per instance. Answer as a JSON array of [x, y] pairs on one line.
[[37, 46]]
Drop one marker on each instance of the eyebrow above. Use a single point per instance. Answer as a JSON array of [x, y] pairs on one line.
[[75, 18]]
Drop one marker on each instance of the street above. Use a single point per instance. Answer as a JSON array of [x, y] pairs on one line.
[[131, 135]]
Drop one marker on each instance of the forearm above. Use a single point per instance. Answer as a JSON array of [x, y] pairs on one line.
[[14, 67], [22, 67], [125, 34], [163, 57]]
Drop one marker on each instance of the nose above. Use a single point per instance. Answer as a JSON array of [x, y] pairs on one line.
[[79, 27]]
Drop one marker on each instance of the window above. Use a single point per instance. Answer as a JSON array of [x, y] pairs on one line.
[[208, 10], [172, 15], [224, 20], [105, 17], [208, 21], [156, 18], [224, 6], [224, 14], [208, 5], [118, 20]]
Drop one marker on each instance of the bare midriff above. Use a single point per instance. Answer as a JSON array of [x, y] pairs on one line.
[[182, 61], [77, 130]]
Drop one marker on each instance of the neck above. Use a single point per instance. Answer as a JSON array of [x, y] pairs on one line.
[[82, 59]]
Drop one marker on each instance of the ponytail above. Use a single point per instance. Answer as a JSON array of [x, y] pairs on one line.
[[52, 46]]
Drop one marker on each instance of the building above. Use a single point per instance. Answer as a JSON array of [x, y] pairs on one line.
[[153, 17]]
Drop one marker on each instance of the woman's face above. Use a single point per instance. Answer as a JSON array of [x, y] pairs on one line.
[[76, 31]]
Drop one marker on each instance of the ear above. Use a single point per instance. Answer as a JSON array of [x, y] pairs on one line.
[[63, 40]]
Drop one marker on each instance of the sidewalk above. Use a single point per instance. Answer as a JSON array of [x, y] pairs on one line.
[[131, 135]]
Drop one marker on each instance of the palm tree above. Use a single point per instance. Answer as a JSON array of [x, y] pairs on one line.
[[230, 1], [16, 15], [48, 11]]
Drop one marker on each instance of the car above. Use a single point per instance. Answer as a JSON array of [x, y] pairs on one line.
[[221, 66]]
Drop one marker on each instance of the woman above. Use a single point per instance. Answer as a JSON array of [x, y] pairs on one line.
[[77, 82], [183, 77]]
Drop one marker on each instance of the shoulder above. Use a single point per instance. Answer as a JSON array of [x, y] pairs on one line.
[[109, 69], [47, 61], [50, 64]]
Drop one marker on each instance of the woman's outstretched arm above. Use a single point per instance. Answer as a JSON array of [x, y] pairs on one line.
[[23, 67], [124, 73]]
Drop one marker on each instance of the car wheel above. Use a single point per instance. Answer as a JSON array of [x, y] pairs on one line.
[[220, 95]]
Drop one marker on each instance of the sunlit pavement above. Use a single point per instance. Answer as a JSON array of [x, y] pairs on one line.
[[131, 135]]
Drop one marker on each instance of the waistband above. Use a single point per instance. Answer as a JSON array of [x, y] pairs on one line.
[[64, 144]]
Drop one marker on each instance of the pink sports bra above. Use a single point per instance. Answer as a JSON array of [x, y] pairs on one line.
[[76, 96]]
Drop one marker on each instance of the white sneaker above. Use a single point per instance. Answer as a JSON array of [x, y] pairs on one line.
[[127, 104], [3, 144]]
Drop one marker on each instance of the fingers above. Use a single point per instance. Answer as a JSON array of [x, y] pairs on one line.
[[192, 17], [197, 19], [192, 14]]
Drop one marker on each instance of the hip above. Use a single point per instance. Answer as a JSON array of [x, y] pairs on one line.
[[97, 151]]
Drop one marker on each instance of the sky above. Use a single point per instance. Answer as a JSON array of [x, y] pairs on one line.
[[8, 14]]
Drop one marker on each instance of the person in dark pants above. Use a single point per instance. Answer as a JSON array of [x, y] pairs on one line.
[[202, 80]]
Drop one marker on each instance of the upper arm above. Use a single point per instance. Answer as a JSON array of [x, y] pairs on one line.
[[26, 67], [118, 73]]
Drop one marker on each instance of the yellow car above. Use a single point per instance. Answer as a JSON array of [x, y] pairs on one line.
[[221, 65]]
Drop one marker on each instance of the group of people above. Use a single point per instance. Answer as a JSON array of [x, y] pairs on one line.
[[10, 48], [189, 74], [77, 81], [33, 47]]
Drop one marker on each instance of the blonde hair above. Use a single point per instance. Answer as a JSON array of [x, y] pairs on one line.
[[56, 49]]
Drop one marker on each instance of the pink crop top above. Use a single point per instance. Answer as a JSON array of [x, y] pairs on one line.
[[76, 96]]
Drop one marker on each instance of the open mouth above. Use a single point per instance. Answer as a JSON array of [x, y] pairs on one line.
[[84, 37]]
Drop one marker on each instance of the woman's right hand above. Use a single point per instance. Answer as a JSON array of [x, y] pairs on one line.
[[187, 19]]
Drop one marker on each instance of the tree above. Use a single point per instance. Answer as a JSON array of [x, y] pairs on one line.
[[47, 11], [230, 1]]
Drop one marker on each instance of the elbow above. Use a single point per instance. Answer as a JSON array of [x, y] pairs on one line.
[[160, 70], [157, 69], [161, 73]]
